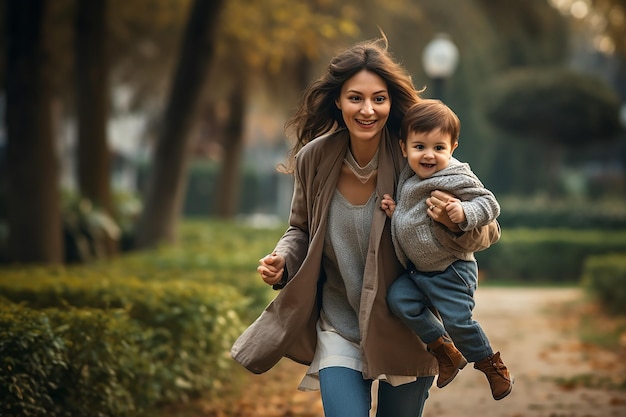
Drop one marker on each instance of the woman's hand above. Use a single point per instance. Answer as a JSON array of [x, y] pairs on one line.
[[436, 209], [271, 268]]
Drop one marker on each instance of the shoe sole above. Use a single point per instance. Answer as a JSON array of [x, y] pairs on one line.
[[446, 382]]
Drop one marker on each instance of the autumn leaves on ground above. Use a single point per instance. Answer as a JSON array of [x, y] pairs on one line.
[[540, 333]]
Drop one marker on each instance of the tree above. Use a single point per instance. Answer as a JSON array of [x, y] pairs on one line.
[[557, 108], [92, 111], [167, 177], [92, 102], [33, 209]]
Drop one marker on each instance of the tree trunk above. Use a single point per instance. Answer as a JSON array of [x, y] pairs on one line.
[[92, 103], [167, 180], [33, 209], [229, 182], [92, 109]]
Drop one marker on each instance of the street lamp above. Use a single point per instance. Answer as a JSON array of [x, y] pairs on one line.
[[440, 58]]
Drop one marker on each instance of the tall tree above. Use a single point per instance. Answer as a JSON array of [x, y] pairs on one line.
[[92, 103], [167, 177], [33, 209], [229, 179], [92, 111]]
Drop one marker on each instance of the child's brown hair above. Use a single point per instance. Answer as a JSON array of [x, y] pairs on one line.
[[429, 115]]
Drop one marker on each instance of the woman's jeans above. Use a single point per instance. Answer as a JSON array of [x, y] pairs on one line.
[[451, 293], [346, 394]]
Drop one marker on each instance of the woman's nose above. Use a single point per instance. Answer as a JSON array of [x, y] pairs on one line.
[[367, 107]]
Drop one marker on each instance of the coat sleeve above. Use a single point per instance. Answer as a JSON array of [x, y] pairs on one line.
[[294, 243], [474, 240]]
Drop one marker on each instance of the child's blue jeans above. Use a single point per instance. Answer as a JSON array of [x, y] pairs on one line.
[[346, 394], [451, 293]]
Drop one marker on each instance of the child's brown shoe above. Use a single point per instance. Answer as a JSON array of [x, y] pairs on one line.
[[450, 360], [500, 381]]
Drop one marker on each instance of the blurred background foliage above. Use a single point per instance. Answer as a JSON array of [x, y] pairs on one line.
[[186, 102]]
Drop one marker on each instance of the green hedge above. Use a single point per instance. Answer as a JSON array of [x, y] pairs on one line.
[[121, 337], [546, 255], [176, 336], [543, 213], [70, 363], [605, 278]]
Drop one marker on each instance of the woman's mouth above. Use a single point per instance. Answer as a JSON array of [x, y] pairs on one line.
[[365, 122]]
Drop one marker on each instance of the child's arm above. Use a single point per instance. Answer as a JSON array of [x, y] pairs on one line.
[[479, 205], [388, 205]]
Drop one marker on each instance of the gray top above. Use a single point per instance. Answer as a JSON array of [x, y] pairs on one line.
[[413, 231], [345, 248]]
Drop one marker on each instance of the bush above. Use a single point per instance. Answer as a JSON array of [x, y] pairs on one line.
[[541, 213], [187, 328], [605, 278], [123, 336], [74, 363], [546, 255]]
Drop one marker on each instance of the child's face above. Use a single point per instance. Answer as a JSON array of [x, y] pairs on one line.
[[428, 152]]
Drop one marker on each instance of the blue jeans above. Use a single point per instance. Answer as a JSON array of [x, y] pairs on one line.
[[451, 293], [346, 394]]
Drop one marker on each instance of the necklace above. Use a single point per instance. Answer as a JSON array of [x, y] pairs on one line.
[[362, 173]]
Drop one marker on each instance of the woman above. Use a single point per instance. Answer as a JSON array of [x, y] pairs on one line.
[[336, 260]]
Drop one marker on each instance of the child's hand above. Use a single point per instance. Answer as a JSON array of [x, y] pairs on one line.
[[455, 210], [388, 205]]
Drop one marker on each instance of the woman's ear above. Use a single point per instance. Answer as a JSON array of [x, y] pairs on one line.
[[338, 104]]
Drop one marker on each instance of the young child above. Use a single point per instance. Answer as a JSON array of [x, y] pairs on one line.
[[438, 279]]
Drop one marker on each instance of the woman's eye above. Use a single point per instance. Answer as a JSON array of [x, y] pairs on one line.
[[380, 99], [354, 98]]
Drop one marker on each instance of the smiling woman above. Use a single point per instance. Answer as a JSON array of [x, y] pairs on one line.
[[337, 252]]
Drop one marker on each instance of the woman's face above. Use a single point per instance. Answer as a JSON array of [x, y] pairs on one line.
[[365, 104]]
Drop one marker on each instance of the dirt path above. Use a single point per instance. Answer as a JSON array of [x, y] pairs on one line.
[[536, 335], [535, 331]]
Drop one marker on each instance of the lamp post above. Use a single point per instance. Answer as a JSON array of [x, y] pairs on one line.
[[440, 58]]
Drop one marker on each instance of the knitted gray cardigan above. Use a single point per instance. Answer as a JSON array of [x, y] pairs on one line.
[[412, 230]]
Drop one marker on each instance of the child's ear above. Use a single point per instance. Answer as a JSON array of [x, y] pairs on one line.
[[454, 146], [403, 147]]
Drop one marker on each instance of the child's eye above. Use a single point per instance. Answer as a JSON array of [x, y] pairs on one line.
[[439, 148]]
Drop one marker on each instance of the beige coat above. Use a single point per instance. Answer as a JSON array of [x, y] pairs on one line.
[[287, 326]]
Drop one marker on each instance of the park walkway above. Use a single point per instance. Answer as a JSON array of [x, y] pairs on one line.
[[536, 331]]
